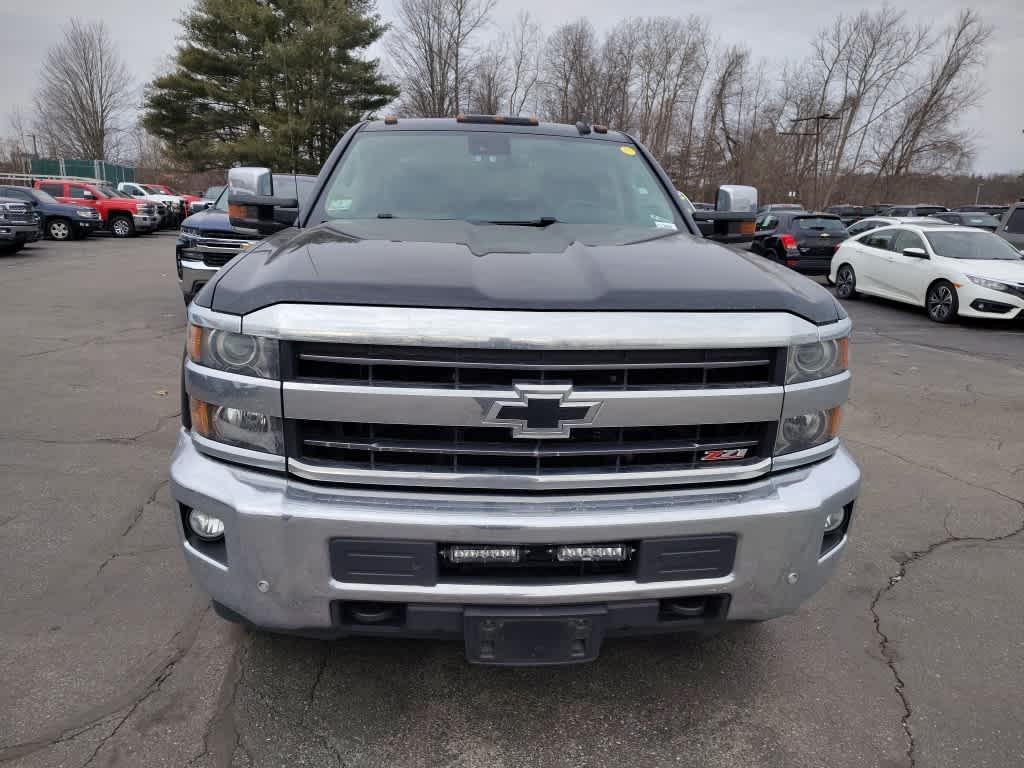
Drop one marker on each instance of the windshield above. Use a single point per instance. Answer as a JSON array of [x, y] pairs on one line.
[[981, 220], [111, 192], [497, 178], [154, 190], [212, 193], [821, 224], [41, 196], [981, 246]]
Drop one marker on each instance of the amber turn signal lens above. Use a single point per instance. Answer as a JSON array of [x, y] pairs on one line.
[[236, 211], [834, 419], [843, 361], [194, 343], [200, 417], [746, 227]]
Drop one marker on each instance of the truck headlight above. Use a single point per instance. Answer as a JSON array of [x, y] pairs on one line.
[[238, 427], [808, 430], [817, 360], [234, 352]]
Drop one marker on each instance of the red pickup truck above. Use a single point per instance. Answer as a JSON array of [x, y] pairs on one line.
[[122, 215]]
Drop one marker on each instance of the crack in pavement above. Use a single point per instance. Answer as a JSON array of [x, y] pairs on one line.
[[223, 724], [115, 440], [183, 639], [931, 468], [888, 655], [991, 357], [131, 525]]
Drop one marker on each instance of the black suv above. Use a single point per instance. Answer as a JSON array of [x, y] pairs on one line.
[[60, 220], [801, 240]]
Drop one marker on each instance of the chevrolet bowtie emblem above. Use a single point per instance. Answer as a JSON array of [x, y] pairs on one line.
[[541, 411]]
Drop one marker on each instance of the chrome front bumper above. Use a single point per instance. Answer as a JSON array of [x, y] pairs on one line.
[[145, 222], [278, 530], [193, 274]]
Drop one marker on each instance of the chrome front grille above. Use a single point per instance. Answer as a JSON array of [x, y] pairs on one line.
[[19, 213], [502, 368], [442, 449], [432, 415], [215, 249]]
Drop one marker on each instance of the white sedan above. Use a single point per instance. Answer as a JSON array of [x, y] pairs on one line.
[[951, 271]]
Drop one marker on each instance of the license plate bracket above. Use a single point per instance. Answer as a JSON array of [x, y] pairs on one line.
[[533, 636]]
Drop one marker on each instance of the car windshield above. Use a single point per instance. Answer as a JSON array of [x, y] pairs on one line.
[[501, 179], [821, 224], [980, 246], [153, 190], [212, 193], [41, 196], [111, 192], [981, 220]]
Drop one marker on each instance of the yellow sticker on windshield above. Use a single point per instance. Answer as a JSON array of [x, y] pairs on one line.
[[627, 151]]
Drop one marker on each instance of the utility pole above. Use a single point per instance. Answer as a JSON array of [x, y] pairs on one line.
[[977, 194], [35, 149], [816, 133]]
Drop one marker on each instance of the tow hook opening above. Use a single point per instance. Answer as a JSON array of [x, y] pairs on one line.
[[693, 608], [373, 614]]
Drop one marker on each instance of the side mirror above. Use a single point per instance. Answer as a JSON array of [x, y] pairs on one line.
[[735, 215], [915, 253], [251, 200]]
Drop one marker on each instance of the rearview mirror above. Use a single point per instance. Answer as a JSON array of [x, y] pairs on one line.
[[251, 200], [916, 253], [734, 217]]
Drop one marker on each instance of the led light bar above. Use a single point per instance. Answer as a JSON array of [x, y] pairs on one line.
[[468, 554], [590, 553]]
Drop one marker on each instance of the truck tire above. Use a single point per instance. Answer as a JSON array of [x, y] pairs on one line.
[[122, 226], [59, 229]]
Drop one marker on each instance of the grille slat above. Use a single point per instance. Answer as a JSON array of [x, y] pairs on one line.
[[456, 368], [492, 449]]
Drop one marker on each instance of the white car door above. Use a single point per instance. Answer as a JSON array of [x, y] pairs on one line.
[[872, 257], [908, 276]]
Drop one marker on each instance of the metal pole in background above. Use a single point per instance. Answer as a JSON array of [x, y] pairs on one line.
[[977, 194], [817, 142]]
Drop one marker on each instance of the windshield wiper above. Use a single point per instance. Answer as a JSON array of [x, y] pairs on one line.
[[543, 221]]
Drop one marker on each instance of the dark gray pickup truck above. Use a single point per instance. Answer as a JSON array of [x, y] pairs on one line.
[[494, 386]]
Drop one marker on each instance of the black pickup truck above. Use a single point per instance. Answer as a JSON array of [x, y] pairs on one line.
[[494, 385]]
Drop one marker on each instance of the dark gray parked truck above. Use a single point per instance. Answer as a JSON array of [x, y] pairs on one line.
[[19, 225], [494, 386]]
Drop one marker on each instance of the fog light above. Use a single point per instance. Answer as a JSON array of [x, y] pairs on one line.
[[459, 554], [206, 527], [590, 554], [834, 520]]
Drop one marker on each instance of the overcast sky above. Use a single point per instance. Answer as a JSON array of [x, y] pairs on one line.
[[146, 30]]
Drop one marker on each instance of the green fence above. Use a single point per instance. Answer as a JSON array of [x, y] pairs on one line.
[[92, 169]]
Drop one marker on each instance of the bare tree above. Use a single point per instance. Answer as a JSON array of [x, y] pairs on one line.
[[85, 94], [524, 63], [923, 137], [490, 85], [432, 45]]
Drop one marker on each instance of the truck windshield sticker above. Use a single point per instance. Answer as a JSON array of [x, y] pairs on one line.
[[627, 151]]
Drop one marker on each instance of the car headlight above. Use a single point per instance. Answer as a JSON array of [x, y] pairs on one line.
[[808, 430], [84, 214], [190, 231], [818, 360], [992, 285], [234, 352], [239, 427]]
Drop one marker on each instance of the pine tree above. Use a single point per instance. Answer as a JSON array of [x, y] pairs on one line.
[[268, 82]]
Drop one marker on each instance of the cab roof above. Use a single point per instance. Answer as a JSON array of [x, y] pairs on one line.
[[451, 124]]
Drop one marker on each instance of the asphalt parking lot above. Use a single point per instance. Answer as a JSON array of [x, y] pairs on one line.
[[913, 655]]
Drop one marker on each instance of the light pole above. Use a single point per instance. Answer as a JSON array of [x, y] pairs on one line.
[[977, 193], [816, 133]]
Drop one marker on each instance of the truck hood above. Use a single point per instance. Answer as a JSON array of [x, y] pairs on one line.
[[210, 220], [456, 264]]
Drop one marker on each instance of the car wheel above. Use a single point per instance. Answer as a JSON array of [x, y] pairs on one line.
[[122, 226], [846, 282], [58, 229], [942, 302]]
